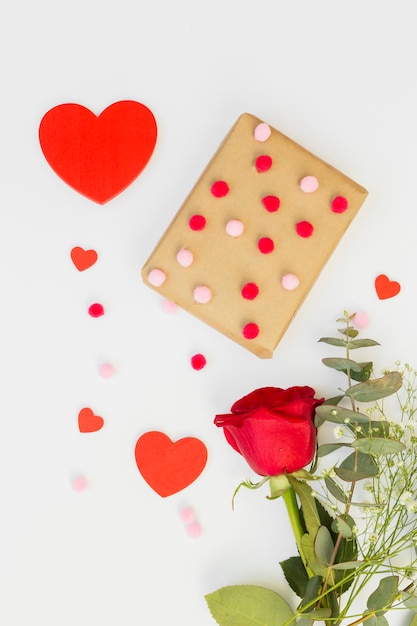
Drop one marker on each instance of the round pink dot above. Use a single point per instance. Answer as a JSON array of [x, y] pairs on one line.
[[304, 229], [96, 309], [197, 222], [219, 189], [250, 331], [250, 291], [156, 277], [79, 484], [202, 294], [271, 203], [187, 514], [262, 132], [361, 320], [339, 204], [290, 281], [263, 163], [185, 257], [198, 361], [193, 529], [308, 184], [265, 245], [169, 306], [234, 228], [106, 370]]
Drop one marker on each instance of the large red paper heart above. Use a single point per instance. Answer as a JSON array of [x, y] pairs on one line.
[[88, 422], [98, 156], [386, 288], [83, 259], [167, 466]]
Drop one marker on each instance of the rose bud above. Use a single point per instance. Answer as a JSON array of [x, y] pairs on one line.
[[273, 429]]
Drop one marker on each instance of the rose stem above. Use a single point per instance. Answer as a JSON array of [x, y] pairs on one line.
[[298, 531]]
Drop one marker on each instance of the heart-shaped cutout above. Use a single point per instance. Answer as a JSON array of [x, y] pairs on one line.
[[98, 156], [386, 288], [83, 259], [88, 422], [167, 466]]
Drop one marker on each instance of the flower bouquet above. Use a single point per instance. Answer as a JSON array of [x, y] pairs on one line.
[[346, 469]]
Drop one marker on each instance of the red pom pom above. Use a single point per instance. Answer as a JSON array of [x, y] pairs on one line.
[[339, 204], [263, 163], [250, 291], [219, 189], [96, 310], [197, 222], [198, 361], [250, 331], [304, 229], [271, 203], [265, 245]]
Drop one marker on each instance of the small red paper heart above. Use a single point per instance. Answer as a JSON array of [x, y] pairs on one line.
[[83, 259], [88, 422], [98, 156], [169, 467], [386, 288]]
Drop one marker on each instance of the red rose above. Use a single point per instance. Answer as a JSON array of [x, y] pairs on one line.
[[273, 429]]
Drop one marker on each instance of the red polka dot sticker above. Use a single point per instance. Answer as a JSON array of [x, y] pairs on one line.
[[219, 189], [263, 163]]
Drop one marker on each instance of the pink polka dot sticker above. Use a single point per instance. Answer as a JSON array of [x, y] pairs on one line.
[[262, 132], [361, 320], [308, 184], [271, 203], [250, 330], [106, 370], [79, 484], [185, 257], [304, 229], [266, 245], [202, 294], [263, 163], [339, 204], [198, 361], [234, 228], [156, 277], [197, 222], [290, 282], [250, 291], [168, 306], [219, 189]]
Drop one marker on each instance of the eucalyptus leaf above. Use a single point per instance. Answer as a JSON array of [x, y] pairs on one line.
[[344, 526], [323, 546], [364, 373], [341, 364], [357, 466], [318, 614], [295, 574], [347, 565], [377, 388], [378, 446], [333, 341], [349, 332], [376, 620], [248, 605], [334, 400], [409, 600], [362, 343], [312, 590], [384, 595], [328, 448], [335, 490], [341, 415]]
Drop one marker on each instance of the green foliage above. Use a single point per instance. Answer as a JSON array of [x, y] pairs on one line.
[[384, 595], [295, 574], [376, 389]]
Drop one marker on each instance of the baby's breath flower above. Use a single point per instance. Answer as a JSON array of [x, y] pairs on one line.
[[338, 432]]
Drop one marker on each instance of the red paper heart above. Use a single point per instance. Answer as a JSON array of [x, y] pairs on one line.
[[98, 156], [169, 466], [386, 288], [83, 259], [88, 422]]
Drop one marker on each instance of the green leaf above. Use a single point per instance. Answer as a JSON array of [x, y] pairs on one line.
[[341, 364], [335, 490], [349, 332], [362, 343], [323, 546], [364, 373], [328, 448], [347, 565], [378, 446], [312, 591], [357, 466], [308, 505], [344, 525], [376, 620], [340, 415], [384, 595], [409, 600], [377, 388], [413, 621], [295, 574], [333, 341], [374, 428], [248, 605], [334, 400]]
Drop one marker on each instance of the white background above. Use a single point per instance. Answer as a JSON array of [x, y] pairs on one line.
[[337, 77]]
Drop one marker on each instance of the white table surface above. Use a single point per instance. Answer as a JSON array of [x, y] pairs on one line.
[[337, 77]]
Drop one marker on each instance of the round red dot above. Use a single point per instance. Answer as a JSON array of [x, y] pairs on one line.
[[96, 310], [250, 331], [219, 189], [250, 291], [271, 203], [263, 163], [265, 245], [304, 229], [198, 361], [339, 204], [197, 222]]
